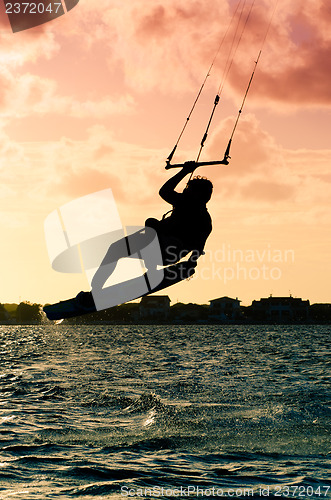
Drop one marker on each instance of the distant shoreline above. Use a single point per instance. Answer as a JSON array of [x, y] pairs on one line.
[[156, 310]]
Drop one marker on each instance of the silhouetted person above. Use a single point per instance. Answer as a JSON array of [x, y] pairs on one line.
[[185, 230], [161, 244], [189, 224]]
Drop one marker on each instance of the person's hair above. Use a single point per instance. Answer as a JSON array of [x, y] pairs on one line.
[[202, 187]]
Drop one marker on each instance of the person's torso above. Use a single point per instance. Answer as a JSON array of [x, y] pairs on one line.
[[190, 223]]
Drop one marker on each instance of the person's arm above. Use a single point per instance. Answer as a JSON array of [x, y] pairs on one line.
[[192, 262], [167, 191], [193, 259]]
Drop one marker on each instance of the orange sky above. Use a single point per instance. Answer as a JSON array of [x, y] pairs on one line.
[[97, 98]]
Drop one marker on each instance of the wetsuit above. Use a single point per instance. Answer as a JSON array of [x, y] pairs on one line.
[[185, 230]]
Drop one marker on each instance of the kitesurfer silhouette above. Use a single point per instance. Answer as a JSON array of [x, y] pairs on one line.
[[179, 234], [184, 231], [189, 224]]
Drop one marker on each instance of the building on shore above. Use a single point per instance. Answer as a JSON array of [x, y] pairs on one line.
[[192, 313], [224, 309], [320, 312], [154, 307], [280, 309]]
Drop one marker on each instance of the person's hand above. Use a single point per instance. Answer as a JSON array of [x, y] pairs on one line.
[[189, 166]]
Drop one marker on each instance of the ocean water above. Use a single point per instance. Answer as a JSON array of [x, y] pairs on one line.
[[98, 412]]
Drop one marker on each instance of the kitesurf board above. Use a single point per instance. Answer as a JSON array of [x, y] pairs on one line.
[[69, 308], [83, 303]]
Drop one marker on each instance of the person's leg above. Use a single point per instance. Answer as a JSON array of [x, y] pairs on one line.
[[172, 250], [115, 252], [131, 246]]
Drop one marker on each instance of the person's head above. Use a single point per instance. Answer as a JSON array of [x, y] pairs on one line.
[[199, 188]]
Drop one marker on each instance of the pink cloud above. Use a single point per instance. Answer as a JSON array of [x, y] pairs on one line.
[[262, 171], [88, 180], [26, 46], [4, 21], [295, 66], [29, 94], [252, 148], [10, 153], [175, 20], [174, 45], [267, 191], [169, 47], [307, 81], [154, 24]]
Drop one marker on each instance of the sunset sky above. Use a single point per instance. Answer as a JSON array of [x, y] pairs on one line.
[[97, 98]]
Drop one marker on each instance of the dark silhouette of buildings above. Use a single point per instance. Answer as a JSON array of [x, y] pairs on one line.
[[154, 307], [224, 308], [280, 309], [157, 309], [320, 312]]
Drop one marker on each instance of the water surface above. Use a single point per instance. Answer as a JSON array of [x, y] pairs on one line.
[[97, 412]]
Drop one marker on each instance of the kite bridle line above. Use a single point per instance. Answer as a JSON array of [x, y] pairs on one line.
[[229, 62], [203, 85], [225, 161], [227, 156], [227, 151]]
